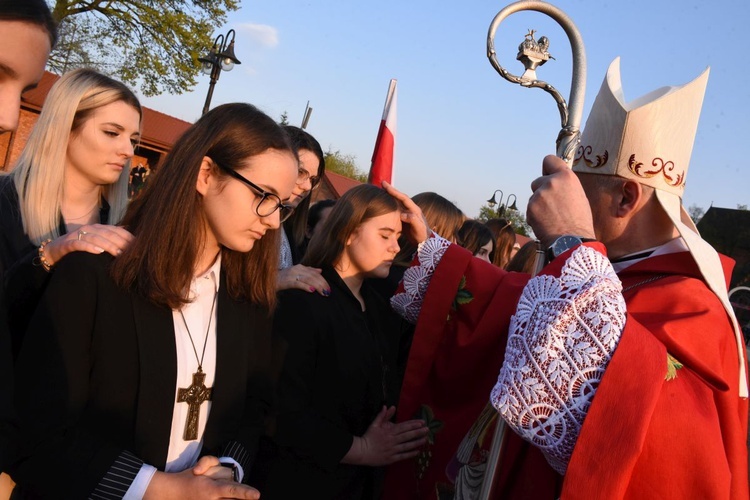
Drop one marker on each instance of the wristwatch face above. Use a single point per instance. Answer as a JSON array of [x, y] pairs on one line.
[[564, 243]]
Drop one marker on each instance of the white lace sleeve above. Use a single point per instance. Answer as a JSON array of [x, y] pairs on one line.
[[416, 279], [561, 339]]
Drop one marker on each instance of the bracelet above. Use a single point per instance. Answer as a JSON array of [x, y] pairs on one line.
[[46, 265]]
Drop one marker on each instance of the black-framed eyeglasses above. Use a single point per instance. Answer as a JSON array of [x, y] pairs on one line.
[[269, 202], [303, 175]]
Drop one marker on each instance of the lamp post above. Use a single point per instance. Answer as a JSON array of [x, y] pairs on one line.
[[220, 57], [501, 210]]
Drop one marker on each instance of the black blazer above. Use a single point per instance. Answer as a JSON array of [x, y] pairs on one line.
[[21, 276], [337, 371], [96, 380]]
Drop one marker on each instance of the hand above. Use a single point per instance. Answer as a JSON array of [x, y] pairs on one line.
[[304, 278], [559, 204], [92, 238], [385, 442], [187, 485], [412, 215], [211, 467]]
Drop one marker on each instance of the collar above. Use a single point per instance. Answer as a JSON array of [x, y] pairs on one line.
[[673, 246], [213, 274]]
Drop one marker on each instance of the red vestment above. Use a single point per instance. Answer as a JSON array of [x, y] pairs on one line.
[[648, 437], [453, 364], [644, 436]]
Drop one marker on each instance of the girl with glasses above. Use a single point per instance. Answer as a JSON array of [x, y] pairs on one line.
[[338, 381], [311, 168], [147, 375]]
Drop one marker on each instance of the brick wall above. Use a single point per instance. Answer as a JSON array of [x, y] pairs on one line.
[[10, 148]]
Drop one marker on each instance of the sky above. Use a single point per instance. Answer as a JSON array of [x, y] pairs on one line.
[[463, 131]]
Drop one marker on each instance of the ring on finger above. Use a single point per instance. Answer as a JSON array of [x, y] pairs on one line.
[[81, 232]]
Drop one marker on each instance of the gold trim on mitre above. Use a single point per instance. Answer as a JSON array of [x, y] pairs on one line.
[[628, 139], [650, 140]]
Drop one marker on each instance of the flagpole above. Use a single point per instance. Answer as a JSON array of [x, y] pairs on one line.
[[306, 116]]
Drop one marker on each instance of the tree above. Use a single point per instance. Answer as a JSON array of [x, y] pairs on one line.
[[284, 119], [153, 43], [696, 213], [516, 218], [344, 165], [741, 206]]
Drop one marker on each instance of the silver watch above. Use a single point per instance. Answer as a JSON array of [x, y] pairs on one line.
[[563, 244]]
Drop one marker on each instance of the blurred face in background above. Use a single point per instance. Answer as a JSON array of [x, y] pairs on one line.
[[485, 251], [307, 177]]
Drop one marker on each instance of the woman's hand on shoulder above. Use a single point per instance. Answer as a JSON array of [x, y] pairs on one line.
[[386, 442], [304, 278], [92, 238], [419, 230]]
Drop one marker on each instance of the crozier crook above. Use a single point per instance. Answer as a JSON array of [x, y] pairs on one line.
[[533, 54]]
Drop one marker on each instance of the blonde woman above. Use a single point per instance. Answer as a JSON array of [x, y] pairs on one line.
[[68, 187]]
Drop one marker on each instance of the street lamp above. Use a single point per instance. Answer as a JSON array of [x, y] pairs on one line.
[[220, 57], [501, 210]]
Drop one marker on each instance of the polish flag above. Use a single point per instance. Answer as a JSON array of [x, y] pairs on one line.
[[382, 158]]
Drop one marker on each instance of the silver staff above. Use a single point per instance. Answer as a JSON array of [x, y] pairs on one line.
[[532, 54], [570, 116]]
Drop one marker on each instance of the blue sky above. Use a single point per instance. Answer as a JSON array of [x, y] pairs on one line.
[[463, 131]]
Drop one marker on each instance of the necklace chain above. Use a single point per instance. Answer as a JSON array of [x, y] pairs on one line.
[[205, 341], [84, 215]]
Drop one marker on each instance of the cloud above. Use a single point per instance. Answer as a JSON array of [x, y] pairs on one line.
[[265, 35]]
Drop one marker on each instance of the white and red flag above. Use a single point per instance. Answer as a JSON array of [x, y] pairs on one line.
[[382, 158]]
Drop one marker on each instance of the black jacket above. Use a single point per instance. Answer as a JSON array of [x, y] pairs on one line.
[[337, 371], [96, 379], [22, 277]]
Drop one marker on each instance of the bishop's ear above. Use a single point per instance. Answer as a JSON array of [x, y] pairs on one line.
[[630, 197]]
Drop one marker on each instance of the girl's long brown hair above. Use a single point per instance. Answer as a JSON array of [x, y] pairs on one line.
[[358, 205], [167, 217]]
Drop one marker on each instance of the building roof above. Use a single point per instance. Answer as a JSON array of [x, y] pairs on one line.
[[338, 183], [728, 231], [159, 129]]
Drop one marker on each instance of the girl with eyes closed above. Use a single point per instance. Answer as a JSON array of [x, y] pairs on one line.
[[338, 383], [68, 187], [148, 375]]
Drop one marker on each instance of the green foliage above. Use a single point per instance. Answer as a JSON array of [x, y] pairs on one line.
[[284, 118], [344, 165], [516, 218], [154, 43]]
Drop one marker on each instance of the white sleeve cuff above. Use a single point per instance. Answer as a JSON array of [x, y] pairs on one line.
[[240, 470], [140, 484]]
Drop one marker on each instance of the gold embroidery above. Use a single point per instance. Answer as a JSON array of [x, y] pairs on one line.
[[672, 366], [665, 168], [424, 456], [583, 152]]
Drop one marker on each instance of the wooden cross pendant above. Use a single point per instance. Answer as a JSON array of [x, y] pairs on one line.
[[194, 396]]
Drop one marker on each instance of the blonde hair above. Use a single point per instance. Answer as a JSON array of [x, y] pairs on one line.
[[39, 173]]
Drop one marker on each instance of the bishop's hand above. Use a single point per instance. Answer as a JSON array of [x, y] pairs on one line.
[[559, 204]]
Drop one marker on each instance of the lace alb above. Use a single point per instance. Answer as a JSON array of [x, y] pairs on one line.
[[560, 341]]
